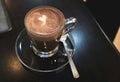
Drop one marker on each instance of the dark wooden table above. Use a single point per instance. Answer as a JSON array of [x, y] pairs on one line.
[[96, 58]]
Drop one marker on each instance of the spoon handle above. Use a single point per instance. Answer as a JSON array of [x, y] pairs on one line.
[[72, 65]]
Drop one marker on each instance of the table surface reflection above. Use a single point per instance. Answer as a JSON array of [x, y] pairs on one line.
[[96, 58]]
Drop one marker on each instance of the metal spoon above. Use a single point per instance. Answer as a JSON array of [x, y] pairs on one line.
[[68, 51]]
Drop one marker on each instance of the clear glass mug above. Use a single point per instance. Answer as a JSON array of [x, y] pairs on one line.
[[45, 25]]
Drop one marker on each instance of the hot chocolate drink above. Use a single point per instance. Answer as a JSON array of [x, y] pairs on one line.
[[44, 25]]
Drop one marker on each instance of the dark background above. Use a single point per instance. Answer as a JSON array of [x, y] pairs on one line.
[[96, 58], [107, 13]]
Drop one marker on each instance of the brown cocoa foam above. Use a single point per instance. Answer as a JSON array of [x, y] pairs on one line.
[[44, 23]]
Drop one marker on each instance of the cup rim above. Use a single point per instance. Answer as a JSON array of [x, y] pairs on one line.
[[60, 27]]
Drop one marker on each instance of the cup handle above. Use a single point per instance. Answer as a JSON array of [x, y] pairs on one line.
[[70, 24]]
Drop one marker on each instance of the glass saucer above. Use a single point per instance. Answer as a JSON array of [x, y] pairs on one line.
[[33, 62]]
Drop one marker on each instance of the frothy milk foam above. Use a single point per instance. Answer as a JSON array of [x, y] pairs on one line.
[[44, 22]]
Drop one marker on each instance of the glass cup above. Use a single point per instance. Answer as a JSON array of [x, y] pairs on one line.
[[45, 25]]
